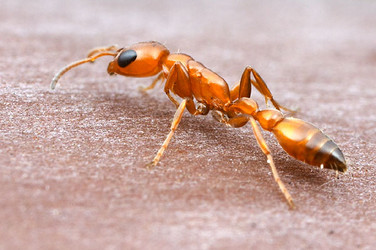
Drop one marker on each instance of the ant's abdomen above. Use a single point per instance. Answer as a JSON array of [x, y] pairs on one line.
[[307, 143]]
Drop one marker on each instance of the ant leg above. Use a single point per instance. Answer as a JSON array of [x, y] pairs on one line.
[[234, 92], [201, 109], [172, 99], [238, 112], [265, 149], [152, 85], [102, 49], [174, 126], [178, 82], [236, 122], [260, 85]]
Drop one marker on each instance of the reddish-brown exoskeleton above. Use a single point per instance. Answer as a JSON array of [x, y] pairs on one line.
[[202, 90]]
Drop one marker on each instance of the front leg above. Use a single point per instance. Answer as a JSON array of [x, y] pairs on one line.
[[152, 85]]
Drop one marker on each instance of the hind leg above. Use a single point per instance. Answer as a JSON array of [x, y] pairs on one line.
[[236, 121], [265, 149], [244, 88]]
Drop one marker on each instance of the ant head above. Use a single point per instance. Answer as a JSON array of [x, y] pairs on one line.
[[139, 60]]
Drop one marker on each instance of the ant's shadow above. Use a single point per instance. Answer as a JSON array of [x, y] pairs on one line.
[[236, 141]]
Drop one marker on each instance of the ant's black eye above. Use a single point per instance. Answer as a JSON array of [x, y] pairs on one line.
[[126, 57]]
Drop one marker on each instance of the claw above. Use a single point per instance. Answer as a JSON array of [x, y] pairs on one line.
[[151, 165]]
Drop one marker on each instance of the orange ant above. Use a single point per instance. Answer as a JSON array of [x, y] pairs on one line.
[[202, 90]]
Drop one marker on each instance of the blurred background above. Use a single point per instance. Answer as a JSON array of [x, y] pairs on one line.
[[72, 160]]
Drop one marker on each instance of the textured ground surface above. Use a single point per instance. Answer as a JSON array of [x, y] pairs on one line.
[[72, 160]]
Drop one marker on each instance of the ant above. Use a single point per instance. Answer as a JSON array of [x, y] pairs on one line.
[[202, 90]]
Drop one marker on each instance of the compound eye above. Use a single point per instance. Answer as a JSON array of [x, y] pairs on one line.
[[126, 57]]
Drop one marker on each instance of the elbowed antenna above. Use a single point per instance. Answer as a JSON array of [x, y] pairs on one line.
[[75, 64], [98, 50]]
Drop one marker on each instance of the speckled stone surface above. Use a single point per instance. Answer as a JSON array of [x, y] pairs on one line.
[[72, 160]]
